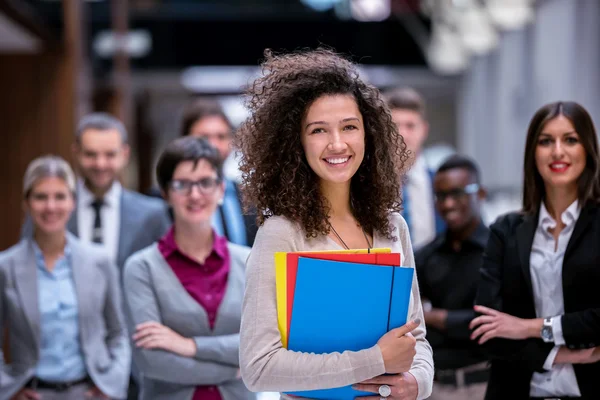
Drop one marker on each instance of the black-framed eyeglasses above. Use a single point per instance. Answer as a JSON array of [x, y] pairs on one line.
[[204, 185], [457, 193]]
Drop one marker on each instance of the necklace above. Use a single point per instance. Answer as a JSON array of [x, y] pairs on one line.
[[344, 243]]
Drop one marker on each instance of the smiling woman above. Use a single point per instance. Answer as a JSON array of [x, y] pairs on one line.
[[321, 160], [538, 295], [333, 138], [272, 141], [185, 291], [51, 282]]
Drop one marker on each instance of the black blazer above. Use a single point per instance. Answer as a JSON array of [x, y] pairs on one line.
[[505, 285]]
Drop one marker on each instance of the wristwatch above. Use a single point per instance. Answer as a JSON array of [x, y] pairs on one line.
[[547, 333]]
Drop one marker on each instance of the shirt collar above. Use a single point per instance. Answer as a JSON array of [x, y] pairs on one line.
[[568, 217], [39, 256], [111, 198], [418, 167], [169, 246], [479, 237]]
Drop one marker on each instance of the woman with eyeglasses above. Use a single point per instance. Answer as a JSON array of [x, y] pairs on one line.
[[538, 294], [184, 293]]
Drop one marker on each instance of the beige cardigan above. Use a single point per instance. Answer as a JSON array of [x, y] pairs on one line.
[[267, 366]]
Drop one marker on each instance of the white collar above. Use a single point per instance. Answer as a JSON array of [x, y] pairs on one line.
[[568, 217], [111, 198], [418, 167]]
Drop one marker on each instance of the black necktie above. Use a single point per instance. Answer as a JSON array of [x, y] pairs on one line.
[[97, 229]]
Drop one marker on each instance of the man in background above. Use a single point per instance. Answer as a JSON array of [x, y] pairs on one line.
[[408, 111], [123, 221], [205, 118], [448, 270]]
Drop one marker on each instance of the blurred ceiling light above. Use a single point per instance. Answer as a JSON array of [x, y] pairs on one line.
[[446, 53], [510, 14], [476, 31], [136, 44], [218, 79], [370, 10], [320, 5]]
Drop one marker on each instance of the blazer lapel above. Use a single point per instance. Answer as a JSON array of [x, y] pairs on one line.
[[27, 287], [79, 263], [72, 224], [127, 225], [583, 222], [524, 235]]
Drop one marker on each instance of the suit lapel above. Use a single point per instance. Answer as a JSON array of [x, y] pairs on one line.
[[79, 268], [127, 220], [524, 236], [27, 284], [583, 222], [72, 225]]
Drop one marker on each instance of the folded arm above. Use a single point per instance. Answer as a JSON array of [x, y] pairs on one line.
[[265, 364], [160, 364], [532, 352]]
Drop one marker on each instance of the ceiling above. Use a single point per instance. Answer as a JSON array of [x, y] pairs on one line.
[[235, 32], [15, 39]]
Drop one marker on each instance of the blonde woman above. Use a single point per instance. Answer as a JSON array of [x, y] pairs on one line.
[[61, 302]]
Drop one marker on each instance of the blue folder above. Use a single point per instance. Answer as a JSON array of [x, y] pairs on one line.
[[341, 306]]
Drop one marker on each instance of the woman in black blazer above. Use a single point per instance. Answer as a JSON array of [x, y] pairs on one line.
[[539, 294]]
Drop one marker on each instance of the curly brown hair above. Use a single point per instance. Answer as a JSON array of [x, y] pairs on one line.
[[276, 177]]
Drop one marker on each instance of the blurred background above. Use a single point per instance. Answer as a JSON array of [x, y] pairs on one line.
[[484, 67]]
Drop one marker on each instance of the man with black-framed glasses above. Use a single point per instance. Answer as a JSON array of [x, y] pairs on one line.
[[448, 271]]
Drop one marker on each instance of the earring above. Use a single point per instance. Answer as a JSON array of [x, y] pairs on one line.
[[220, 202]]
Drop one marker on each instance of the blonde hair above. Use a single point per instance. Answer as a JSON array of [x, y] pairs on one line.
[[46, 167]]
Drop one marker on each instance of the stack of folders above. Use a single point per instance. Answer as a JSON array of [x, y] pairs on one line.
[[336, 301]]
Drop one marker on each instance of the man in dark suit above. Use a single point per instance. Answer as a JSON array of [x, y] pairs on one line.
[[407, 107], [205, 118], [448, 271]]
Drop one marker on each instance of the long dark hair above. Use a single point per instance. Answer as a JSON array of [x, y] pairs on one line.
[[588, 185]]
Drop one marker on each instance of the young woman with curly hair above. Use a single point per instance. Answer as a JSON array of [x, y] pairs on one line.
[[321, 161]]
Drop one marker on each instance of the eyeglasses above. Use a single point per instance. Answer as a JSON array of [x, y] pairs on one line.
[[205, 185], [457, 193]]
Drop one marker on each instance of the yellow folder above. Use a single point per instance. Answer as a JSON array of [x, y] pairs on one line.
[[281, 283]]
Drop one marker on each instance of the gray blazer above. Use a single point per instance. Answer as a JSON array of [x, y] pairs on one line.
[[154, 293], [104, 340], [144, 220]]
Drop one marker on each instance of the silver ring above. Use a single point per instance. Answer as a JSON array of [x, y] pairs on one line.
[[384, 391]]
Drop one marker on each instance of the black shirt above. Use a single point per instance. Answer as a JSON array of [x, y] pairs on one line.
[[449, 279]]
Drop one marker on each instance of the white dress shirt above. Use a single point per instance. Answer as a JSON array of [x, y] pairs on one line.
[[422, 213], [110, 213], [546, 264]]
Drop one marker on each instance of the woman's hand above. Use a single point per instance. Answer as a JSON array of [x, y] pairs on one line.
[[398, 348], [496, 324], [404, 387], [153, 335], [27, 394], [581, 356], [95, 393]]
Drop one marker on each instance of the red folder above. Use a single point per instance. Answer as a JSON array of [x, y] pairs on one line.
[[390, 259]]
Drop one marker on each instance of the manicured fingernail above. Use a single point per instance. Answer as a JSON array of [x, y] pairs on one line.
[[417, 321]]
